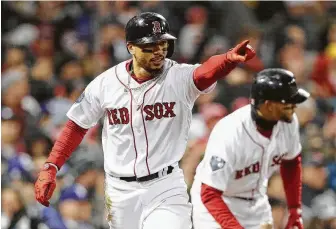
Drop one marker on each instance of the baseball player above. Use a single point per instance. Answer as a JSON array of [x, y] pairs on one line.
[[146, 106], [244, 149]]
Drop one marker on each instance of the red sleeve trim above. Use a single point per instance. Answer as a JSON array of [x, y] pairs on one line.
[[212, 199], [291, 173], [69, 139], [213, 69]]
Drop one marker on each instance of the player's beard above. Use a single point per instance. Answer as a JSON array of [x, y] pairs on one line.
[[287, 115], [287, 119], [142, 62]]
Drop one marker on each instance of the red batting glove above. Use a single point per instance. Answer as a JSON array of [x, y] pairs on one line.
[[45, 184], [241, 53], [294, 220]]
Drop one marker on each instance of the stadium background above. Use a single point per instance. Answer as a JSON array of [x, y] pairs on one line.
[[52, 50]]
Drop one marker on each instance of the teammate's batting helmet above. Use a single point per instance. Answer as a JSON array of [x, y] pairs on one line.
[[276, 84], [149, 28]]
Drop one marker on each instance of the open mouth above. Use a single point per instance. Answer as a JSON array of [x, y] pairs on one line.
[[157, 60]]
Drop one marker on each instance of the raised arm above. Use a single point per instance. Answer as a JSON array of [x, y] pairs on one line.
[[218, 66]]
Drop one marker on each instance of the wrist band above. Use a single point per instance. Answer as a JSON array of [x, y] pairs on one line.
[[53, 165]]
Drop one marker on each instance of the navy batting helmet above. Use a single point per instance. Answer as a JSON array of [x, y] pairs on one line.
[[276, 84], [149, 27]]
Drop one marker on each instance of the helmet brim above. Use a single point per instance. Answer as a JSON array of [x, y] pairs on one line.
[[301, 96], [153, 39]]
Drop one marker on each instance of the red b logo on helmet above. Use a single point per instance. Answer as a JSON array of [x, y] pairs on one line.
[[156, 27]]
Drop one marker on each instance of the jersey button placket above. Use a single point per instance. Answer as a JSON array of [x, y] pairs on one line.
[[138, 141], [141, 144]]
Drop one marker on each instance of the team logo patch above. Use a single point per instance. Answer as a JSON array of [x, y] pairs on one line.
[[216, 163], [156, 27], [80, 98]]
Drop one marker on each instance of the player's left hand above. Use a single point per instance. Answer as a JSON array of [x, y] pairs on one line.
[[241, 53], [295, 219]]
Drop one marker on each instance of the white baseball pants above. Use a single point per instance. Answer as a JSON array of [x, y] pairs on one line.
[[159, 203]]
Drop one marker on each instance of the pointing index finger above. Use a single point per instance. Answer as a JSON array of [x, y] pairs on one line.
[[242, 47]]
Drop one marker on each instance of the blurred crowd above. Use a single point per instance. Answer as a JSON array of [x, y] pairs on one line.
[[52, 50]]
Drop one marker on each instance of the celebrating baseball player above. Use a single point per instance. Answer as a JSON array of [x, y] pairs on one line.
[[146, 105], [243, 151]]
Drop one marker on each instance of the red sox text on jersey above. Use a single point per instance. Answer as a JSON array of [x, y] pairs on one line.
[[157, 110], [255, 167]]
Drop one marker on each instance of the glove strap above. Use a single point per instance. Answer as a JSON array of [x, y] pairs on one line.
[[48, 164], [298, 211]]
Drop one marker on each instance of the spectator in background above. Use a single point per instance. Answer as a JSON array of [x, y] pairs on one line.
[[210, 114], [42, 80], [324, 208], [236, 85], [193, 33], [38, 144], [17, 100], [13, 212], [239, 103], [125, 10], [72, 199], [279, 208], [11, 138], [20, 170], [197, 126], [306, 112], [324, 73], [15, 58], [292, 53], [112, 42], [14, 87], [314, 183]]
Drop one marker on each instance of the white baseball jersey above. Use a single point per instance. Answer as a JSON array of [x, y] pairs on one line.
[[239, 160], [145, 124]]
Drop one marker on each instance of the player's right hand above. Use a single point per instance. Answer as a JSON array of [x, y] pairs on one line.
[[45, 184]]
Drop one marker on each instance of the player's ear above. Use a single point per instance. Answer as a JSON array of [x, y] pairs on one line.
[[131, 48], [268, 105]]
